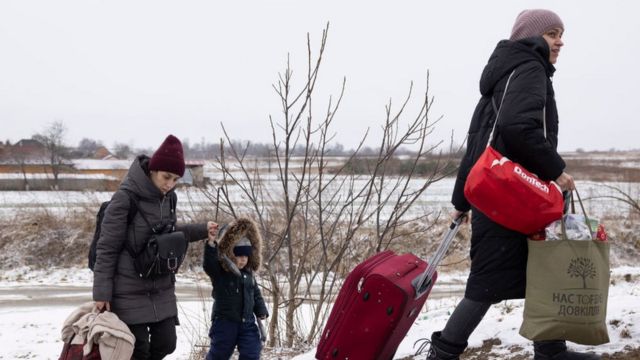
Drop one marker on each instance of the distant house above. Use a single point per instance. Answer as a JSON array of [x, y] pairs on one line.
[[66, 182], [23, 170], [28, 148], [33, 172], [193, 175], [114, 168], [103, 153], [25, 151], [27, 156]]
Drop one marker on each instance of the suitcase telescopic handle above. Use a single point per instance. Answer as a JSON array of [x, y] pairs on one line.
[[424, 282]]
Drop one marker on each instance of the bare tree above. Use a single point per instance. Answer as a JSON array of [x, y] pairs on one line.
[[21, 159], [122, 150], [88, 147], [53, 139], [318, 223], [620, 195]]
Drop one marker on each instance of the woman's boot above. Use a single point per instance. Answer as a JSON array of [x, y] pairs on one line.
[[441, 349], [557, 350]]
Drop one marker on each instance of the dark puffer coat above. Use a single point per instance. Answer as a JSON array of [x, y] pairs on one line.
[[499, 255], [134, 299], [236, 298]]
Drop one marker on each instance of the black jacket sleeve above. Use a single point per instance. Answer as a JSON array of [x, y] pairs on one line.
[[210, 263], [259, 307], [477, 138], [520, 126], [458, 199], [193, 232], [113, 234]]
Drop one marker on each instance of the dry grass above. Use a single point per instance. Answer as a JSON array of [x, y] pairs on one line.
[[612, 170], [40, 239]]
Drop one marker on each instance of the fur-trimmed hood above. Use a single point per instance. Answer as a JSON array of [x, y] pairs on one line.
[[232, 233]]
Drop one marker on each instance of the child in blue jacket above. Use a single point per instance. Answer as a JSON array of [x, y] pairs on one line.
[[231, 262]]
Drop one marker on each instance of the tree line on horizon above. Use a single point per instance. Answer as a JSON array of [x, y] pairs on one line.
[[52, 140]]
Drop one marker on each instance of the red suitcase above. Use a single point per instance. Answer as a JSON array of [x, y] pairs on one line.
[[378, 303]]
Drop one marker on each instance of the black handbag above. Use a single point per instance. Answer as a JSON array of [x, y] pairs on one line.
[[163, 253]]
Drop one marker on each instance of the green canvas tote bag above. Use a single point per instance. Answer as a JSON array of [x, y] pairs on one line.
[[567, 290]]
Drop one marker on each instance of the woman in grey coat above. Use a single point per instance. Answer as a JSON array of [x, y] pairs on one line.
[[146, 305]]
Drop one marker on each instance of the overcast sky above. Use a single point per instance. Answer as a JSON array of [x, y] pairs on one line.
[[135, 71]]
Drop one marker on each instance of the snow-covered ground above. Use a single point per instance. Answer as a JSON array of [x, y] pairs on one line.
[[503, 322], [32, 312], [434, 199], [33, 304]]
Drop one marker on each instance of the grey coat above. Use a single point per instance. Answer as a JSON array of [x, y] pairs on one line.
[[134, 299]]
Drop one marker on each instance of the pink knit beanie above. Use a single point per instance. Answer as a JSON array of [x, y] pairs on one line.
[[534, 22]]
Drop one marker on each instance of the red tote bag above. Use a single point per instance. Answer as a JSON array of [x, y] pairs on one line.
[[509, 194]]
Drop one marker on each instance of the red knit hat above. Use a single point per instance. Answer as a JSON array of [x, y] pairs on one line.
[[169, 157]]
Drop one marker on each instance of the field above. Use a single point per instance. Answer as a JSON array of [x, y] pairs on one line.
[[44, 238]]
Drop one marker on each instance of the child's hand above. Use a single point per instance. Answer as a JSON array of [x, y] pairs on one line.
[[212, 241]]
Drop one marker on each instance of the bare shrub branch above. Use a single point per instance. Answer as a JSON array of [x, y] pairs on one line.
[[317, 219]]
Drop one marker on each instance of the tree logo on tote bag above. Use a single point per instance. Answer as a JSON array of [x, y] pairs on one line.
[[580, 301], [582, 267]]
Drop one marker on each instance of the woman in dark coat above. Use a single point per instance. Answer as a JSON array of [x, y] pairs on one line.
[[499, 255], [146, 305]]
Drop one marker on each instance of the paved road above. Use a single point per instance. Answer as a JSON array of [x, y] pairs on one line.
[[41, 295]]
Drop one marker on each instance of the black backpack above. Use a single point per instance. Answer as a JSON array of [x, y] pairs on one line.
[[133, 209]]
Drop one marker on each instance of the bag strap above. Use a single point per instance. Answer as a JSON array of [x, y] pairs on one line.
[[144, 217], [172, 206], [497, 111], [133, 210], [133, 205], [573, 211], [544, 120]]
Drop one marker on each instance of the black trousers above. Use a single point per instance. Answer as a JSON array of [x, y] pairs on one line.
[[465, 319], [154, 341]]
